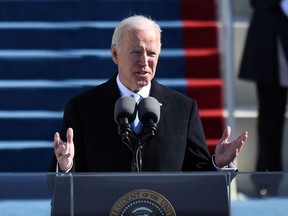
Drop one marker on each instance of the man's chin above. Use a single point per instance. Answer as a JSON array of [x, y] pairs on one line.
[[143, 83]]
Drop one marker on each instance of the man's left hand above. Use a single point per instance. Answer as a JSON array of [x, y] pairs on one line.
[[227, 151]]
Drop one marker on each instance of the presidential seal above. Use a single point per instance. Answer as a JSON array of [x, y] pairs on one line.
[[142, 202]]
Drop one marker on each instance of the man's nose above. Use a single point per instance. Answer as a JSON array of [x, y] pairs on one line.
[[144, 59]]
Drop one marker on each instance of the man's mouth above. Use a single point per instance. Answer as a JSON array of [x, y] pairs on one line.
[[142, 73]]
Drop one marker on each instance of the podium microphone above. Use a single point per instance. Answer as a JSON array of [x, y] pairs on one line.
[[124, 115], [149, 115]]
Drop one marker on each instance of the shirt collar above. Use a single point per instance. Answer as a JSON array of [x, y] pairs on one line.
[[144, 92]]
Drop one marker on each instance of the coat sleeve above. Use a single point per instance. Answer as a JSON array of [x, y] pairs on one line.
[[197, 156]]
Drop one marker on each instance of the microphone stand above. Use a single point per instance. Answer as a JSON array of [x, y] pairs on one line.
[[139, 141], [134, 143]]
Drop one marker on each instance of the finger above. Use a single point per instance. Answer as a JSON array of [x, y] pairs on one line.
[[245, 136], [64, 155], [56, 140], [240, 142], [63, 152], [242, 138], [69, 135], [226, 134], [61, 148], [59, 145], [239, 148], [66, 148]]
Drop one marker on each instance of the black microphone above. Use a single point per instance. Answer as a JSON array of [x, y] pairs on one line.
[[149, 115], [124, 115]]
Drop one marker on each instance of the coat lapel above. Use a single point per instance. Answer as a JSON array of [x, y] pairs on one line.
[[158, 93], [110, 94]]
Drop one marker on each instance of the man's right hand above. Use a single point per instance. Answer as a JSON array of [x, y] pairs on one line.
[[64, 151]]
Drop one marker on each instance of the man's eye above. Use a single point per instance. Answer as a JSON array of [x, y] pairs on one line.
[[135, 52]]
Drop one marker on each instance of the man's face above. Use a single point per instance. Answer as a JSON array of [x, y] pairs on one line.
[[137, 57]]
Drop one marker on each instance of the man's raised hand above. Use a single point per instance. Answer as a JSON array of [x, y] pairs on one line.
[[64, 151]]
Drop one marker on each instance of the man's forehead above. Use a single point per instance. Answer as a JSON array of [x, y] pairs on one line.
[[141, 36]]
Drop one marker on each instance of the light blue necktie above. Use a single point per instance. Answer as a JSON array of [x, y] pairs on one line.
[[136, 125]]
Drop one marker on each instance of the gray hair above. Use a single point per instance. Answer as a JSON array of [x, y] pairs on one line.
[[134, 22]]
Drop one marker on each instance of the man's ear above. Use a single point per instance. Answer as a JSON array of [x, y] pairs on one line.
[[114, 53]]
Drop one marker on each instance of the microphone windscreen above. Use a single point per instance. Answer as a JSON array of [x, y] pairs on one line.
[[125, 108], [149, 108]]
